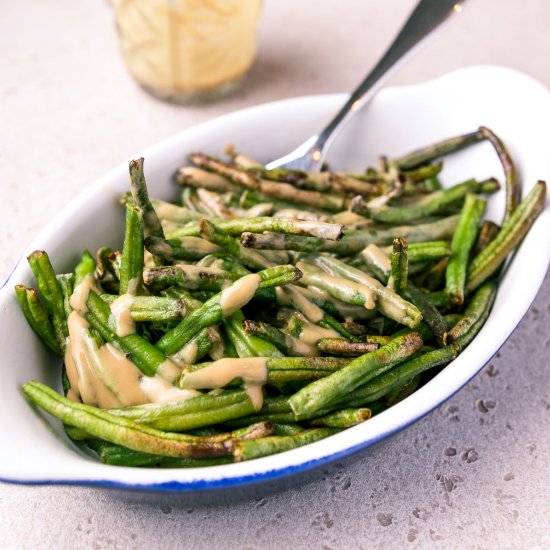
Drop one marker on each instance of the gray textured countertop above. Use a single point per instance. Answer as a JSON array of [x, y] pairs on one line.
[[473, 474]]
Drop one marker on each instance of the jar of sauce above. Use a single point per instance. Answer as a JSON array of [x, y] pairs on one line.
[[188, 51]]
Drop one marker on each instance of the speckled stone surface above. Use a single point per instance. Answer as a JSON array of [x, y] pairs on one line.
[[473, 474]]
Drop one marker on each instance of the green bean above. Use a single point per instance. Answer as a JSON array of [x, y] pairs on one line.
[[67, 283], [424, 252], [423, 173], [117, 455], [344, 418], [395, 377], [381, 264], [151, 413], [121, 431], [287, 429], [250, 258], [487, 232], [131, 265], [356, 240], [481, 300], [195, 177], [184, 248], [507, 239], [86, 266], [437, 150], [122, 456], [281, 364], [247, 345], [187, 276], [431, 204], [191, 420], [341, 346], [140, 195], [402, 391], [199, 345], [362, 369], [172, 213], [388, 302], [52, 294], [152, 308], [298, 297], [288, 226], [247, 450], [513, 188], [286, 343], [328, 348], [281, 191], [145, 356], [462, 243], [212, 311], [278, 378], [399, 264], [37, 317], [343, 289]]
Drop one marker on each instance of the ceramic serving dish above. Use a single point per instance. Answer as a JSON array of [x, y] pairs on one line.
[[34, 447]]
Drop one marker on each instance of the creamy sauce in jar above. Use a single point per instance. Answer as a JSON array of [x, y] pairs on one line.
[[180, 46]]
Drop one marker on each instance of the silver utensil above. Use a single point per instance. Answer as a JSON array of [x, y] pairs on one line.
[[424, 20]]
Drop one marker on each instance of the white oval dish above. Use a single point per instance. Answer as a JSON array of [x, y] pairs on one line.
[[34, 447]]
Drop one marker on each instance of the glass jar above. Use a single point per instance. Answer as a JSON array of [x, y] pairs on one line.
[[188, 51]]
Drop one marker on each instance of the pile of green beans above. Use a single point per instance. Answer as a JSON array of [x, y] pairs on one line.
[[364, 286]]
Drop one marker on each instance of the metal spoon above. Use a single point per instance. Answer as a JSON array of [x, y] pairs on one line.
[[424, 20]]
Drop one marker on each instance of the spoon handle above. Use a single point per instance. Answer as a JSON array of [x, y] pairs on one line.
[[424, 20]]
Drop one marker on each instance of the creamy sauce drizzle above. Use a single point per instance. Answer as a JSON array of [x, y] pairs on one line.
[[244, 161], [80, 294], [148, 259], [197, 243], [120, 375], [291, 295], [354, 288], [187, 355], [239, 294], [377, 256], [102, 375], [252, 370], [298, 348], [168, 370], [159, 390], [311, 334], [348, 218], [300, 215], [170, 212], [75, 357], [218, 347], [258, 210], [163, 249], [202, 178], [120, 310]]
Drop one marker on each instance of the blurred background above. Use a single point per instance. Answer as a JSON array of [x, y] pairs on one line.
[[70, 111]]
